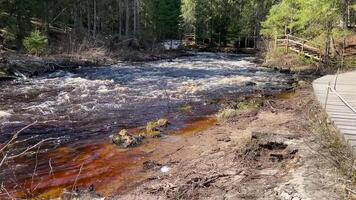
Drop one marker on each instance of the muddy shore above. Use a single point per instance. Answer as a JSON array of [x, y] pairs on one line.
[[283, 150], [275, 153]]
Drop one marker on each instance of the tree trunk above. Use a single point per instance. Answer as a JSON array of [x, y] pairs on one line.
[[134, 17], [127, 23], [94, 19], [88, 18]]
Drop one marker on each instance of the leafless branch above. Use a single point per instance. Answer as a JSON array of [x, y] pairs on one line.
[[31, 147], [76, 179], [50, 166], [35, 169], [15, 136], [5, 190], [3, 160]]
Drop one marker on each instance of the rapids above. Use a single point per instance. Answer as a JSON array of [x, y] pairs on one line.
[[82, 107]]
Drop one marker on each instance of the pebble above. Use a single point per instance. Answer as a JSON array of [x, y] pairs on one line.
[[165, 169]]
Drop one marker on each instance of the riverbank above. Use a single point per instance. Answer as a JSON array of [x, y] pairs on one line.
[[15, 65], [285, 150]]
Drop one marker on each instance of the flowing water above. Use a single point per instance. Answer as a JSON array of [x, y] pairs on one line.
[[81, 108]]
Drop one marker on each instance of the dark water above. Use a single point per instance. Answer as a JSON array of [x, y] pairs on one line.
[[85, 106]]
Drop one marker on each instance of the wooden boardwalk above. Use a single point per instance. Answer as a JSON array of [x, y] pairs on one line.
[[340, 103]]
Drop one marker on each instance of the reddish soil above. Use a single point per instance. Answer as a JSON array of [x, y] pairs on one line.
[[272, 154]]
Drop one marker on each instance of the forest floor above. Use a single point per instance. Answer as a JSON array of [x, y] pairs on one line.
[[285, 150]]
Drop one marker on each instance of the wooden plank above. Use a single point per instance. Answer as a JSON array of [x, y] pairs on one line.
[[339, 113]]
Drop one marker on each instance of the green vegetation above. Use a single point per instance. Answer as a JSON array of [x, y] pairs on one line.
[[73, 26], [222, 22], [155, 128], [76, 25], [36, 43]]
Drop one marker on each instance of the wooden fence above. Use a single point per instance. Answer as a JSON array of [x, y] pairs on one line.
[[300, 46]]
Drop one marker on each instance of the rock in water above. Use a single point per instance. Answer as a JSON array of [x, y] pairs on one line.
[[250, 83], [155, 128], [125, 140], [162, 123]]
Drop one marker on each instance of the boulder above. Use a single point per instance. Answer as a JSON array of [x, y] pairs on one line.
[[125, 140]]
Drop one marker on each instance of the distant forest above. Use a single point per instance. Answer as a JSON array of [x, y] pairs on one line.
[[88, 23]]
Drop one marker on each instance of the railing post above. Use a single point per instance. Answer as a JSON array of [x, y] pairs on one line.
[[287, 43], [327, 96]]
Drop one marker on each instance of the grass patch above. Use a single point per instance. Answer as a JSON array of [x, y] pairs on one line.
[[350, 62], [278, 58], [232, 112], [155, 128]]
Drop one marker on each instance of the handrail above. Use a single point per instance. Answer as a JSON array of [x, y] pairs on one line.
[[301, 46], [333, 89], [304, 40], [342, 99]]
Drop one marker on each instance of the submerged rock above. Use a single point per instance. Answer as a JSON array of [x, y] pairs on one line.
[[125, 140], [250, 83]]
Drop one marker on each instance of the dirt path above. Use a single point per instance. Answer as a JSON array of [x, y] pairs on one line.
[[274, 153]]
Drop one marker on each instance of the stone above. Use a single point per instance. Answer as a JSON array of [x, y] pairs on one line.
[[162, 122], [125, 140], [250, 83]]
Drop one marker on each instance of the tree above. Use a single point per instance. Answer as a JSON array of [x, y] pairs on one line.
[[36, 43]]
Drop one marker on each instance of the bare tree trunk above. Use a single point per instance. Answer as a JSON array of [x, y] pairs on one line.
[[120, 17], [211, 23], [127, 23], [327, 42], [134, 17], [138, 4], [94, 19], [88, 17]]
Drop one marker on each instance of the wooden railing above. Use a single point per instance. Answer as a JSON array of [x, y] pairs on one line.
[[300, 46]]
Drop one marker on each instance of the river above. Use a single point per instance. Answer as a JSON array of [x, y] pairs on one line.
[[82, 107]]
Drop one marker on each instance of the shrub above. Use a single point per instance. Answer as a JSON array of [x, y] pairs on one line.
[[36, 43]]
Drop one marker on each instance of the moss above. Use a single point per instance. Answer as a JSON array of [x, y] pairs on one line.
[[155, 128]]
